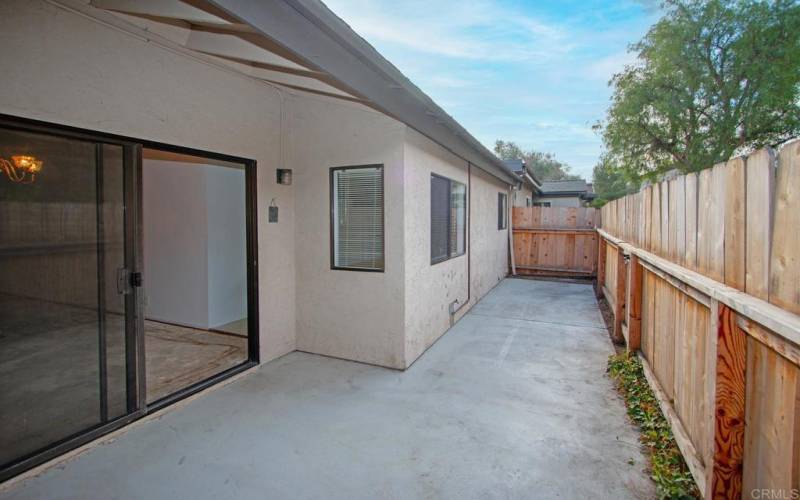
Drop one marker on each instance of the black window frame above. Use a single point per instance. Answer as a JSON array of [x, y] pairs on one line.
[[334, 267], [138, 407], [449, 254], [502, 211]]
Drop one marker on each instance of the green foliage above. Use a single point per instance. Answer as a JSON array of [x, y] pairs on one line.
[[543, 165], [668, 469], [713, 78], [610, 183]]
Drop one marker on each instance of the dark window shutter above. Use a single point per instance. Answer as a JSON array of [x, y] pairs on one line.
[[440, 213]]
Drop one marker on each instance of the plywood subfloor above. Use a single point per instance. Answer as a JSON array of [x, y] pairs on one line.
[[179, 356]]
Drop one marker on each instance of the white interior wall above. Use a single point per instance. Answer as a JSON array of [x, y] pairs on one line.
[[349, 314], [227, 245], [194, 243], [431, 288], [85, 74], [175, 242]]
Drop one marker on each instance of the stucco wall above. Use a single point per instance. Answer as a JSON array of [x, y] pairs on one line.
[[348, 314], [518, 197], [67, 69], [430, 288]]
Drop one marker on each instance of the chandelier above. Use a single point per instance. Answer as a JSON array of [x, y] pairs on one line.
[[21, 168]]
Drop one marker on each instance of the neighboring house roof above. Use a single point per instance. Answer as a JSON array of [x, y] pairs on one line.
[[325, 43], [578, 186], [567, 188]]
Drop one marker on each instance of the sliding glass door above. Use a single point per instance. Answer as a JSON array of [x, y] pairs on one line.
[[102, 239], [67, 361]]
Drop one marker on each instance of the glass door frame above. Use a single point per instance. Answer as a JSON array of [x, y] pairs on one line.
[[136, 383]]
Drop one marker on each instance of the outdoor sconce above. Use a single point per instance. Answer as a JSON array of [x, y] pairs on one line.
[[285, 176], [21, 168]]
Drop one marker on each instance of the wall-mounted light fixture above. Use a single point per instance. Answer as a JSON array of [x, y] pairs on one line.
[[21, 168], [284, 176]]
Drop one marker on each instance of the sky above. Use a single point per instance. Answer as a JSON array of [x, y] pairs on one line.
[[534, 72]]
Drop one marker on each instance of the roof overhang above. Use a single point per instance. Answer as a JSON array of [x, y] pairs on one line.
[[322, 42]]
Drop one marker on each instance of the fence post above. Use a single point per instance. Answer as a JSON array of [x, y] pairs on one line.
[[601, 265], [619, 296], [634, 303]]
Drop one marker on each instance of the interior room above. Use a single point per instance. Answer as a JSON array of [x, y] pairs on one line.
[[195, 272]]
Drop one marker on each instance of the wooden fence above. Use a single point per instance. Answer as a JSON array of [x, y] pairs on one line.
[[703, 273], [555, 241]]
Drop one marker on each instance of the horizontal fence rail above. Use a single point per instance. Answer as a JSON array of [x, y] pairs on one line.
[[555, 241], [703, 275]]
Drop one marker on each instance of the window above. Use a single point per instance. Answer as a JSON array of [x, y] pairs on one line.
[[448, 218], [357, 218], [527, 202], [502, 210], [541, 204]]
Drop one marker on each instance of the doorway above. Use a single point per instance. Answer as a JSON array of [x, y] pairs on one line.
[[99, 245], [195, 265]]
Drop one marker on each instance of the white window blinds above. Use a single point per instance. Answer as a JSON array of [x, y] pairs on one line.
[[357, 218]]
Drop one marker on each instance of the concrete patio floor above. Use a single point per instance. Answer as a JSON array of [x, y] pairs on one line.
[[512, 402]]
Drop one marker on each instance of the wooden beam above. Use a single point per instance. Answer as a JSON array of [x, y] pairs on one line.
[[634, 309], [726, 481], [678, 284], [547, 230], [784, 323]]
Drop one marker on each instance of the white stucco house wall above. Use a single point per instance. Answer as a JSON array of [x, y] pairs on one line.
[[287, 85]]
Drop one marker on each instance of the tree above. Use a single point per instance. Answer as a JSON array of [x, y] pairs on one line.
[[610, 183], [544, 166], [712, 79]]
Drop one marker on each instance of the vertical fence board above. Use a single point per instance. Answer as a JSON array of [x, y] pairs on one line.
[[734, 217], [760, 180], [690, 255], [770, 415], [663, 250], [784, 286]]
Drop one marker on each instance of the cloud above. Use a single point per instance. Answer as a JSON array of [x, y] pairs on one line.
[[531, 72], [477, 30], [606, 67]]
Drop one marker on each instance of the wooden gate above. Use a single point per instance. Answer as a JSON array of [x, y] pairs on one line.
[[555, 241]]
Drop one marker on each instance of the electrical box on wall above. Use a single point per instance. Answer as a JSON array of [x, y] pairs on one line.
[[273, 214], [284, 176]]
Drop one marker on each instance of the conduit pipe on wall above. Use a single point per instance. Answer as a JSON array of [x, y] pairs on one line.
[[510, 225], [455, 306]]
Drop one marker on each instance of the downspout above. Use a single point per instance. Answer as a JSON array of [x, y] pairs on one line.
[[511, 236], [455, 306]]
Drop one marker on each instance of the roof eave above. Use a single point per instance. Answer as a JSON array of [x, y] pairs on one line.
[[326, 43]]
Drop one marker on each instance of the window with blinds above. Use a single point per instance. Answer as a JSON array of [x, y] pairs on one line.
[[448, 218], [502, 211], [357, 218]]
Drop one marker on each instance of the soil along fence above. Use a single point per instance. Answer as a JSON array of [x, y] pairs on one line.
[[555, 241], [703, 273]]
